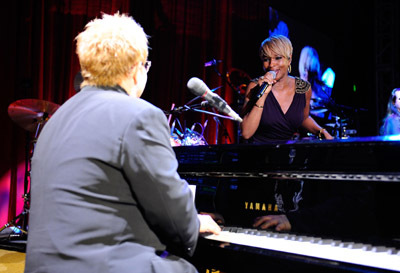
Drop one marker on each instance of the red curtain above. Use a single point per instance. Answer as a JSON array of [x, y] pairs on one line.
[[40, 63]]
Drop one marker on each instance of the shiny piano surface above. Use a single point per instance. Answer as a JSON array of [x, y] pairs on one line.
[[361, 232]]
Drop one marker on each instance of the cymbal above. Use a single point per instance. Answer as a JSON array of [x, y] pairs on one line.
[[238, 78], [318, 111], [334, 124], [29, 113], [317, 99]]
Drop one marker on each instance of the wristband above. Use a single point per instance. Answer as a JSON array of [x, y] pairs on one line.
[[320, 132]]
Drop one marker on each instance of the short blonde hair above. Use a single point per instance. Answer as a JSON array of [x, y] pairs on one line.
[[276, 45], [109, 47]]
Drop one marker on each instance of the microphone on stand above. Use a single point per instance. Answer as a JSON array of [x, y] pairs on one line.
[[199, 88], [212, 62]]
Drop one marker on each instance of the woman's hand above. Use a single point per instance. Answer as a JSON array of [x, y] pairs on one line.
[[269, 78], [327, 135]]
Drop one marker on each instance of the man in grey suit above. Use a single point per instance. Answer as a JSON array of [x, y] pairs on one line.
[[105, 193]]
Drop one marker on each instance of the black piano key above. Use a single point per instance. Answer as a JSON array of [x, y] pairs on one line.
[[226, 228], [380, 249], [315, 240], [263, 233], [393, 251], [305, 238], [356, 246], [325, 241], [367, 247], [336, 242], [345, 244], [240, 230]]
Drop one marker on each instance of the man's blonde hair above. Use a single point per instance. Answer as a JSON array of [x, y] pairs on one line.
[[276, 45], [109, 47]]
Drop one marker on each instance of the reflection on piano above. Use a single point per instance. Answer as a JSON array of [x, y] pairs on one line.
[[359, 231]]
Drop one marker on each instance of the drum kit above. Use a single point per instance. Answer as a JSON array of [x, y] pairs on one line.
[[334, 117], [31, 115]]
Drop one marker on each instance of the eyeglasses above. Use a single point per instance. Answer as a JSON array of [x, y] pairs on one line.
[[147, 65]]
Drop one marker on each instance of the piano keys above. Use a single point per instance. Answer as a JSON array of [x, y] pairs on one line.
[[357, 233], [338, 252]]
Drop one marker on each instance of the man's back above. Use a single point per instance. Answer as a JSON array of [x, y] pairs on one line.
[[92, 208]]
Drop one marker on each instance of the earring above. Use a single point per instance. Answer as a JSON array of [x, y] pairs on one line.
[[289, 68]]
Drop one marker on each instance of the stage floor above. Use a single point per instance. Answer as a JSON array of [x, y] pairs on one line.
[[12, 261], [12, 252]]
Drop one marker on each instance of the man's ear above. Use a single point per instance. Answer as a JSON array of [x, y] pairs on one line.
[[133, 72]]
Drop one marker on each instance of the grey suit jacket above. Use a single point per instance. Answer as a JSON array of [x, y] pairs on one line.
[[105, 193]]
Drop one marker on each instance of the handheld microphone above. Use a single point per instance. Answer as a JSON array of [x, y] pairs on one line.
[[265, 85], [256, 94], [199, 88]]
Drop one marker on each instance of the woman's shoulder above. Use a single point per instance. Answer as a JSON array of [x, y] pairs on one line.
[[301, 86], [393, 117]]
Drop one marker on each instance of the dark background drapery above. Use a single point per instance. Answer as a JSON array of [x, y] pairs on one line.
[[39, 60]]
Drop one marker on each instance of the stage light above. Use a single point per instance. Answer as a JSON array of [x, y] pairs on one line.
[[392, 137], [328, 77]]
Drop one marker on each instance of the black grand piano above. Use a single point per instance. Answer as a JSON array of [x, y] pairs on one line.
[[348, 214]]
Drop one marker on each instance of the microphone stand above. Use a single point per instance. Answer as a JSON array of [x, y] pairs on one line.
[[236, 92], [214, 64], [194, 108], [225, 131]]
